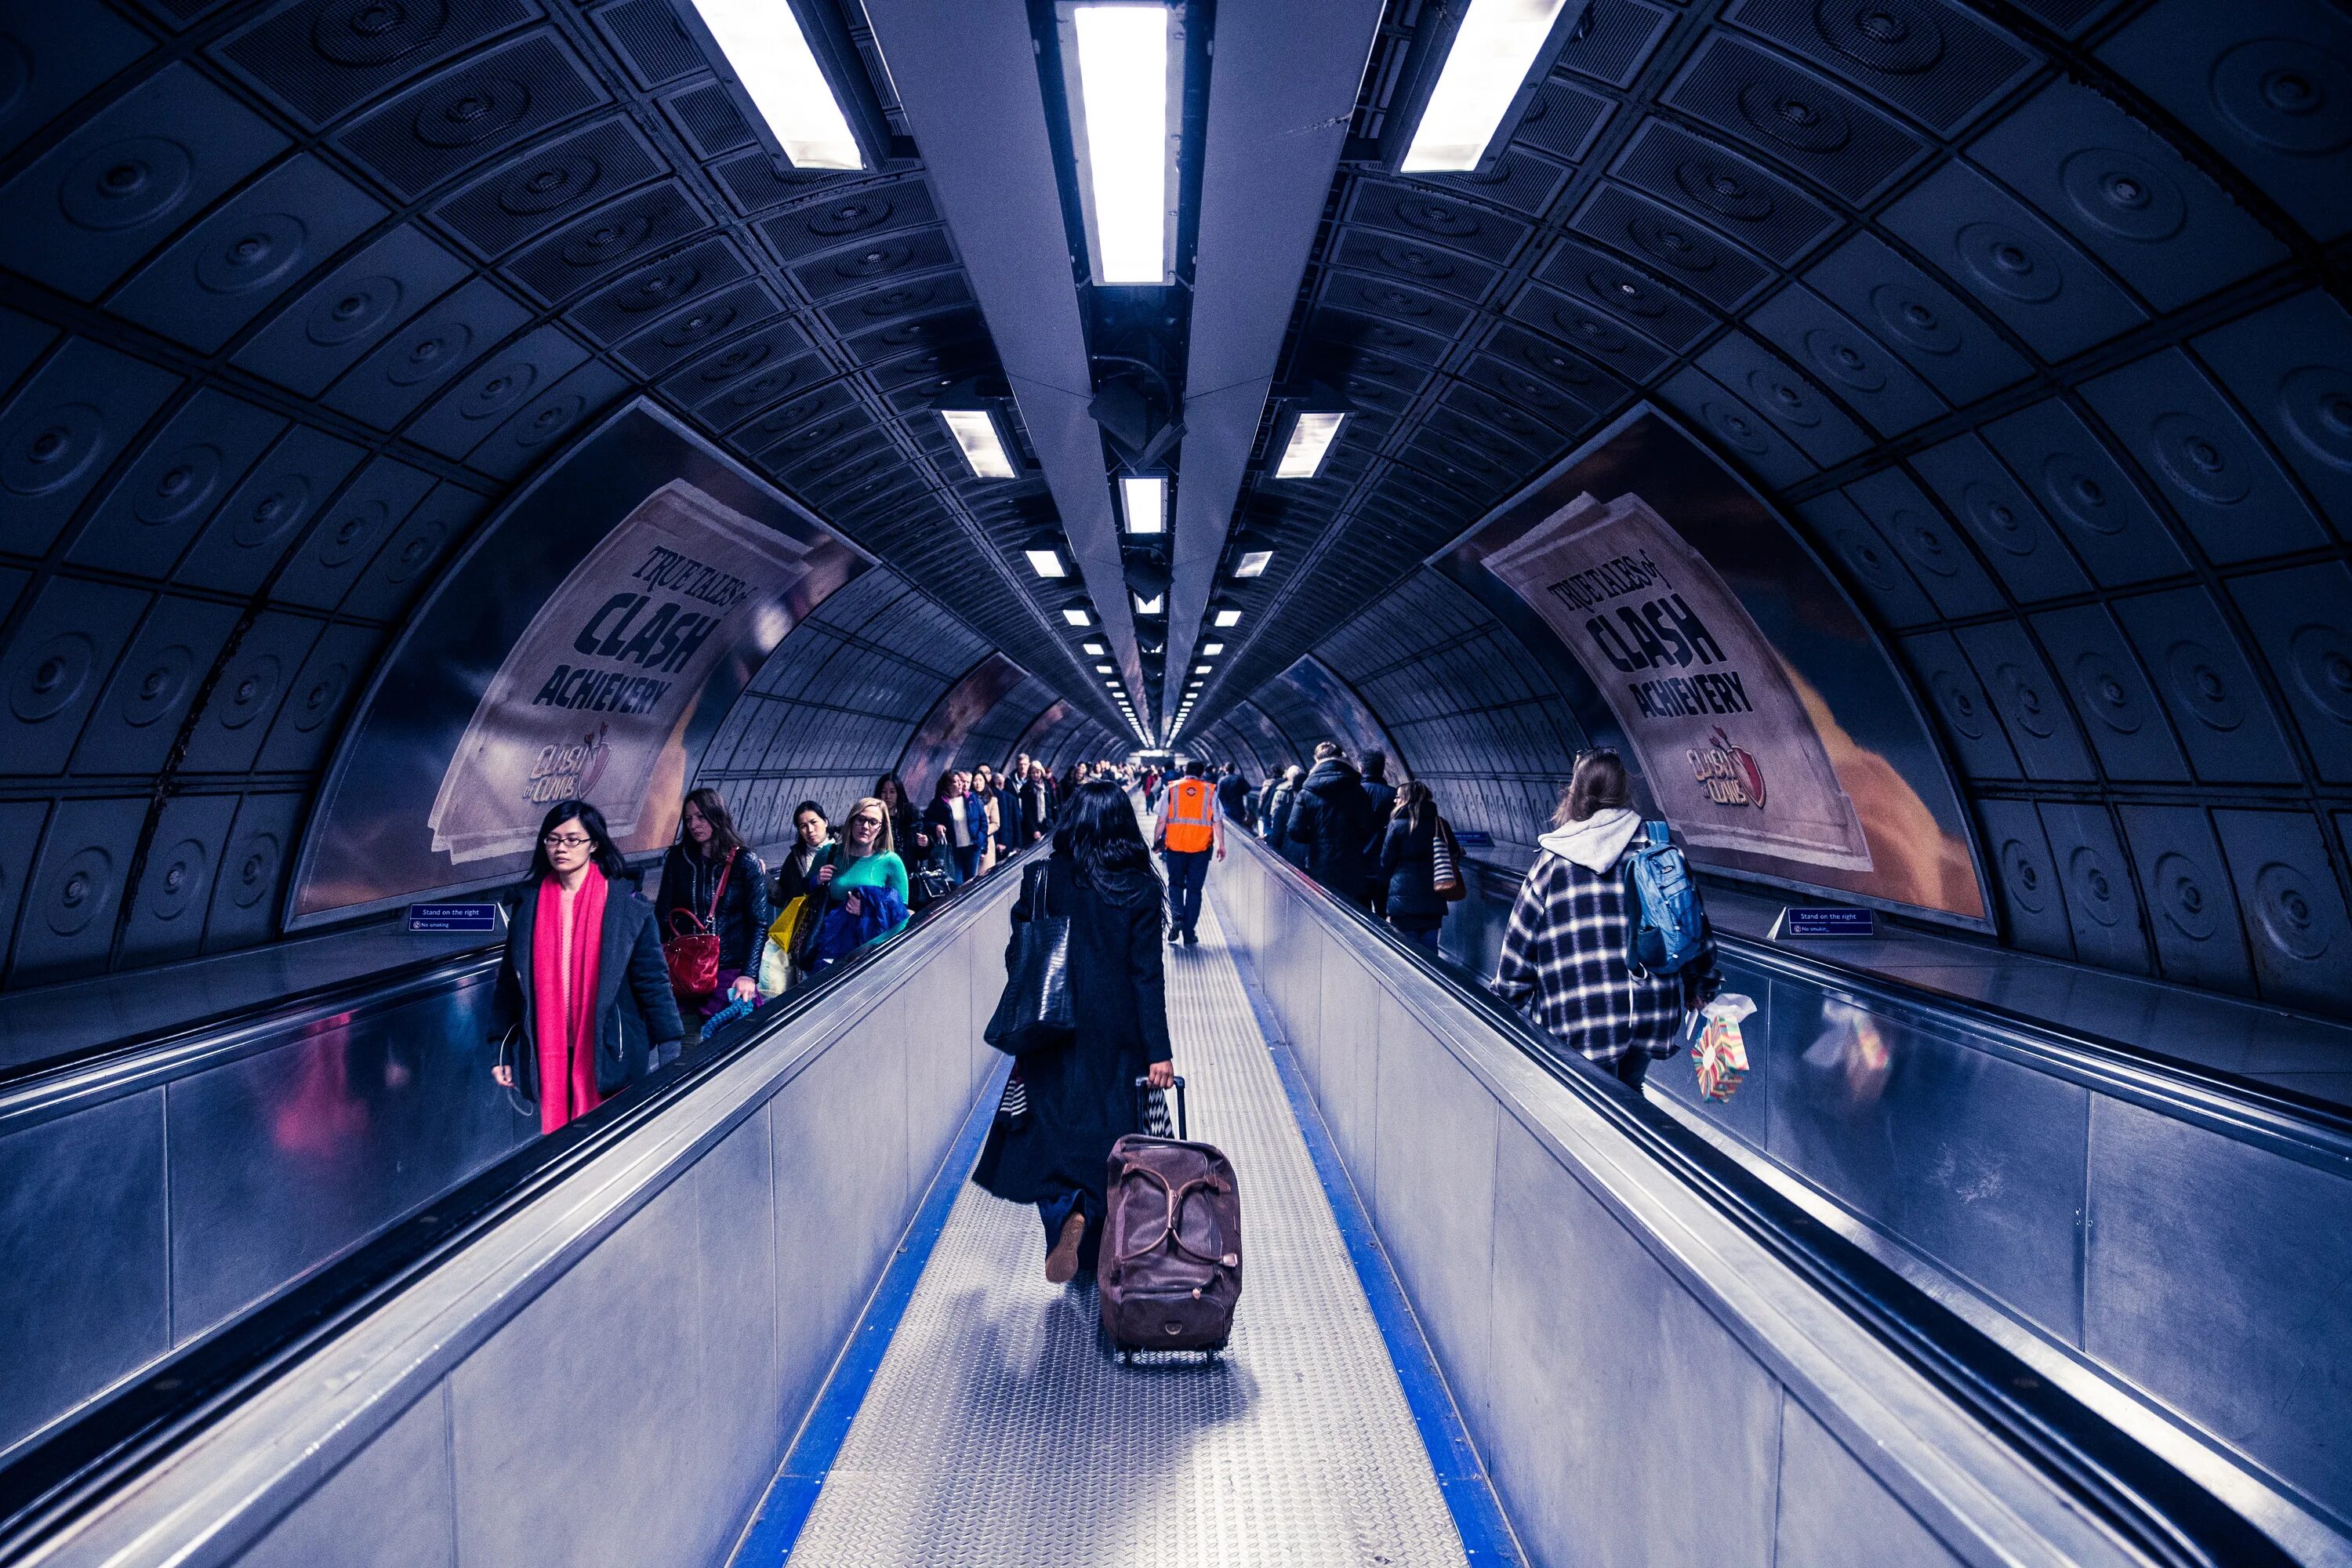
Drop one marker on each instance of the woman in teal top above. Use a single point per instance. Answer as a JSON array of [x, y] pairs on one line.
[[865, 860]]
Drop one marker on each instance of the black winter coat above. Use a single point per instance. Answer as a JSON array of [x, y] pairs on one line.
[[1408, 865], [689, 882], [1382, 798], [791, 882], [1082, 1095], [1234, 797], [634, 1008], [1330, 830]]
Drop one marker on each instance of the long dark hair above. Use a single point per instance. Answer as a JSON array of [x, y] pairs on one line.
[[1414, 803], [896, 799], [605, 854], [723, 836], [1100, 832], [1597, 784]]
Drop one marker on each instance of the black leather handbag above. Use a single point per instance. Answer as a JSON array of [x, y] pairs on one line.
[[1035, 1011]]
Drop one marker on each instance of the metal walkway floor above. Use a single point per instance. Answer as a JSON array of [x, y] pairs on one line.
[[996, 1433]]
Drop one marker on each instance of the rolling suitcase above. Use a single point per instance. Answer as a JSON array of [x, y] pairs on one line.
[[1171, 1268]]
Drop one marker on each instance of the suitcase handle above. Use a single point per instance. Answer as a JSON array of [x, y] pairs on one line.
[[1144, 1082]]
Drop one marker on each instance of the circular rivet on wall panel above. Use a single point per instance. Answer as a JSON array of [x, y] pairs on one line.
[[2123, 194], [1793, 119], [1784, 398], [189, 478], [759, 390], [500, 389], [158, 689], [128, 182], [1528, 390], [2287, 94], [473, 113], [2321, 657], [1592, 332], [2181, 899], [2316, 401], [898, 301], [419, 547], [1415, 260], [176, 878], [358, 530], [1623, 291], [247, 691], [2290, 912], [376, 32], [2021, 875], [704, 323], [430, 353], [727, 366], [1995, 520], [2106, 695], [2202, 460], [1723, 188], [815, 435], [1914, 320], [85, 886], [1959, 705], [1843, 361], [262, 251], [284, 505], [853, 216], [543, 187], [1870, 564], [355, 310], [1921, 538], [607, 240], [48, 682], [552, 420], [2096, 891], [659, 290], [874, 260], [2079, 494], [49, 449], [2026, 707], [1672, 244], [2009, 262], [2195, 672], [254, 869], [1397, 301], [1897, 36], [1436, 217], [1735, 427], [318, 701]]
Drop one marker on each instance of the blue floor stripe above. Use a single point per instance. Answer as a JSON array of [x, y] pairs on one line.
[[1486, 1538], [789, 1498]]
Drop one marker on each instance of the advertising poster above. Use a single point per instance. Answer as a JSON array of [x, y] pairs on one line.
[[1764, 720], [588, 643], [938, 741]]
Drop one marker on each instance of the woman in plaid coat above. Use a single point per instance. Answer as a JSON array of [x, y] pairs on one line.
[[1564, 955]]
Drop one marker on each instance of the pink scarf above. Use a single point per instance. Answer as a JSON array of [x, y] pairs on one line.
[[564, 1029]]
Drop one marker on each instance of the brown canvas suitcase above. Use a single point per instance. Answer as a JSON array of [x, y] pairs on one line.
[[1171, 1265]]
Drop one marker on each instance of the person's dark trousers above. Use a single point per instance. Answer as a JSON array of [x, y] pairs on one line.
[[1423, 937], [1056, 1209], [967, 862], [1632, 1067], [1188, 872]]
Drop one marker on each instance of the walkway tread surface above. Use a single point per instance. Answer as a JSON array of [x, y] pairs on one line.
[[997, 1433]]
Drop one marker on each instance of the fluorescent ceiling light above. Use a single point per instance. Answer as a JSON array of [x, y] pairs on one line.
[[984, 448], [1253, 563], [1228, 618], [1144, 499], [1125, 137], [1201, 669], [1047, 562], [1213, 649], [1311, 435], [1077, 617], [1106, 669], [1144, 606], [1491, 52], [1094, 647], [771, 57]]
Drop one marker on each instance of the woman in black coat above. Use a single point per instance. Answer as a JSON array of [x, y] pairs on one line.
[[711, 881], [1408, 865], [576, 918], [1082, 1094]]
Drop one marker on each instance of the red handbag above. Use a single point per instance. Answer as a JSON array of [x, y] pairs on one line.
[[692, 955]]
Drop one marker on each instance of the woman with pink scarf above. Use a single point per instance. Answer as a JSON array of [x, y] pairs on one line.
[[584, 1003]]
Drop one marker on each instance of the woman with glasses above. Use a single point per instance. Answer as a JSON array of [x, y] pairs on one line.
[[864, 886], [583, 1003], [711, 882]]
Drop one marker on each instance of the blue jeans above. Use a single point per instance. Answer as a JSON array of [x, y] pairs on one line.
[[967, 862], [1188, 871]]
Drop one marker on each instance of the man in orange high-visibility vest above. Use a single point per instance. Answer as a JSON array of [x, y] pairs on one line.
[[1186, 830]]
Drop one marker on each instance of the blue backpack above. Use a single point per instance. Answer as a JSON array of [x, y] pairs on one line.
[[1665, 930]]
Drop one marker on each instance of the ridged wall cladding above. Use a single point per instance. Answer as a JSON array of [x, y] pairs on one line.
[[292, 293], [2032, 318]]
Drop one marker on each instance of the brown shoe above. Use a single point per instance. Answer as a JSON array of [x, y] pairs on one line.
[[1062, 1263]]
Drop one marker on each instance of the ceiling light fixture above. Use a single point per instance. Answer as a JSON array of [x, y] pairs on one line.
[[1200, 670], [1046, 562], [1143, 498], [983, 445], [792, 62], [1106, 669], [1095, 647], [1499, 52], [1213, 649], [1151, 606], [1077, 617], [1224, 619], [1308, 443], [1125, 66], [1253, 564]]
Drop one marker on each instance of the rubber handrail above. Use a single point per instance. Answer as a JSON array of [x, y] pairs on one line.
[[2136, 1493], [76, 1468]]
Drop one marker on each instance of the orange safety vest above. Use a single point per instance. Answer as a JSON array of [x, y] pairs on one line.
[[1190, 828]]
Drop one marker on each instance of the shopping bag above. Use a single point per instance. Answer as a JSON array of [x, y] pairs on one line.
[[1721, 1057]]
